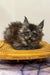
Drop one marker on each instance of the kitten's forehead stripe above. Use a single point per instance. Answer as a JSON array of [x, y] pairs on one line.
[[32, 27]]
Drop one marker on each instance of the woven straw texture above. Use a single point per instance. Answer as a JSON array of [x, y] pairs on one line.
[[7, 52]]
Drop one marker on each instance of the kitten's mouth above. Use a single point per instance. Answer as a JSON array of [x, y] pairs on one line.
[[29, 42]]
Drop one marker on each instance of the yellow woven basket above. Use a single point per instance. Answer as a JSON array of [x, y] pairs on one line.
[[7, 52]]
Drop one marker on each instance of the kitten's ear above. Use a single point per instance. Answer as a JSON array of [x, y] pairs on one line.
[[26, 23], [41, 25]]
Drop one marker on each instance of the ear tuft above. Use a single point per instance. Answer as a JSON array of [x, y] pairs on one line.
[[41, 25], [26, 23]]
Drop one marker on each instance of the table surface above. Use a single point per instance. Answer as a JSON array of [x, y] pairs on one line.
[[24, 69]]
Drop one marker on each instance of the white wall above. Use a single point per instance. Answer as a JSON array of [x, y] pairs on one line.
[[35, 10]]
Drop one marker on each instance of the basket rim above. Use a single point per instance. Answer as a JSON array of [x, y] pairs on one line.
[[12, 54]]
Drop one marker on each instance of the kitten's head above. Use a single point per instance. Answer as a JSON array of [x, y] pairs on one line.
[[31, 34]]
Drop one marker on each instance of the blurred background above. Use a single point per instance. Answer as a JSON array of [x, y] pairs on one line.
[[35, 10]]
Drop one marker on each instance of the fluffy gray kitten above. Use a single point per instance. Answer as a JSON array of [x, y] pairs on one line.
[[24, 36]]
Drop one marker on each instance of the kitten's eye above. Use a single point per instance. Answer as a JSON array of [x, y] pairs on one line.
[[35, 34], [26, 33]]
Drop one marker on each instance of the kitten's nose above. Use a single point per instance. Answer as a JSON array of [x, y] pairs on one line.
[[29, 38]]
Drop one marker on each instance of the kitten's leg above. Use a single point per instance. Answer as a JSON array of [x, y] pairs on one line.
[[15, 45]]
